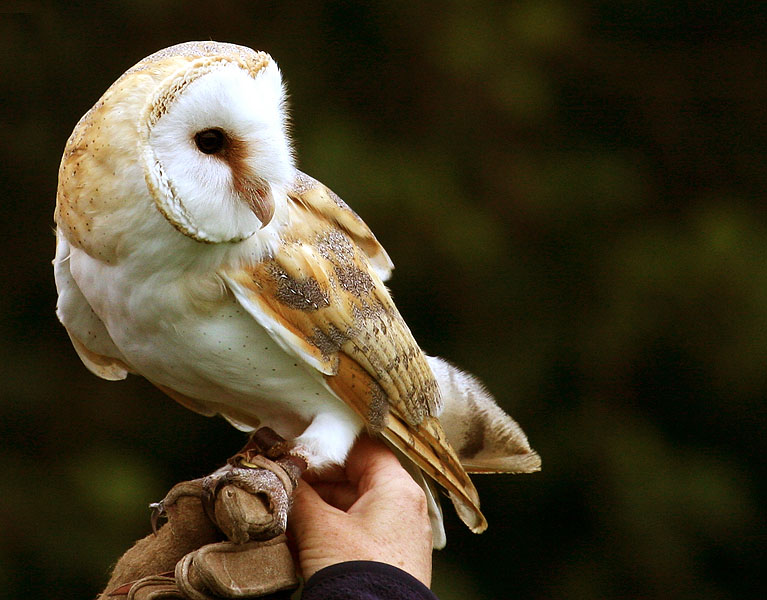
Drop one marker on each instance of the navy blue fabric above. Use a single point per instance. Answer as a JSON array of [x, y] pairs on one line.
[[364, 580]]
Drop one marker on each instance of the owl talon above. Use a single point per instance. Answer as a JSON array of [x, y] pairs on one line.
[[250, 496], [270, 481], [274, 491], [267, 481], [193, 488], [158, 512]]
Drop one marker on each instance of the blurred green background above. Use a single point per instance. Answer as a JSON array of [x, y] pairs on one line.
[[573, 194]]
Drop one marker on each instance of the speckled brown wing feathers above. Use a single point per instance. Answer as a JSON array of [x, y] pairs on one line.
[[323, 295], [323, 202]]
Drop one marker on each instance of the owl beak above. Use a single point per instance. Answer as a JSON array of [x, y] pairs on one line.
[[257, 194], [254, 190], [261, 203]]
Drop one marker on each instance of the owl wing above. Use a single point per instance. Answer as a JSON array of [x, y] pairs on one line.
[[318, 198], [88, 333], [89, 336], [322, 298]]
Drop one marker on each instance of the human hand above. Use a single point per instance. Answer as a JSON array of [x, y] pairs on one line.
[[376, 513]]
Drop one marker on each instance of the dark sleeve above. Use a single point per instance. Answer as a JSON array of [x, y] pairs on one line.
[[364, 580]]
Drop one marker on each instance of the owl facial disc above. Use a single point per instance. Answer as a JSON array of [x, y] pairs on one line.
[[216, 149]]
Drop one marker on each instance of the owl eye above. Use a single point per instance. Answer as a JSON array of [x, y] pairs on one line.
[[210, 141]]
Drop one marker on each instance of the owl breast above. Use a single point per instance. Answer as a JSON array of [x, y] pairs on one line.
[[212, 351]]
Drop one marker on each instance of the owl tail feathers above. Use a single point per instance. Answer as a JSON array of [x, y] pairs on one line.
[[486, 439], [427, 446], [439, 538], [468, 513]]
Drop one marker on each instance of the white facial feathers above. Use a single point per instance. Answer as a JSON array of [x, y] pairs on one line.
[[226, 195]]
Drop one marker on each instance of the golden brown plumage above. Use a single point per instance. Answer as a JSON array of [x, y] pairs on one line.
[[193, 252], [321, 287]]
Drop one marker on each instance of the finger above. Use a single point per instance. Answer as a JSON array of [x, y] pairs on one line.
[[370, 463]]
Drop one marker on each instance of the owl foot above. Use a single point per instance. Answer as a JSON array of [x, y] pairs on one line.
[[248, 498], [256, 487]]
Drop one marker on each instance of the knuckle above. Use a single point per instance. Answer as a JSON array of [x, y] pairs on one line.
[[414, 496]]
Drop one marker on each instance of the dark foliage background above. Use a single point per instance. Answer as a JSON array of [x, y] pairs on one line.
[[573, 193]]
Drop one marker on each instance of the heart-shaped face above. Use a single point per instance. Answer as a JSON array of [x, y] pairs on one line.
[[214, 144], [196, 132]]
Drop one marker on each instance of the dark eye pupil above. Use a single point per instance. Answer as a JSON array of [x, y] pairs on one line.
[[210, 141]]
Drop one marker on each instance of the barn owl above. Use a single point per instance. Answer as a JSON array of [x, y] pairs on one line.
[[190, 250]]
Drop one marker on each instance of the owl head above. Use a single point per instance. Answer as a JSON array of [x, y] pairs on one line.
[[191, 140]]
